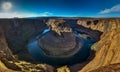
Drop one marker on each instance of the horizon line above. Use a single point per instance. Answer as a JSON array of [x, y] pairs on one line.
[[61, 17]]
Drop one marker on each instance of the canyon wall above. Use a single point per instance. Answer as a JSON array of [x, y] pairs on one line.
[[3, 44], [16, 33], [108, 47], [5, 52]]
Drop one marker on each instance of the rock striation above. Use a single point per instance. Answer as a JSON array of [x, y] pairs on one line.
[[108, 48], [60, 41], [108, 68], [106, 54], [3, 45]]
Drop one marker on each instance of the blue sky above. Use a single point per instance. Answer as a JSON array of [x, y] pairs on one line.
[[66, 8]]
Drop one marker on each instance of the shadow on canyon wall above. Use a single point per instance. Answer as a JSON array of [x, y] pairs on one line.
[[18, 33], [104, 32]]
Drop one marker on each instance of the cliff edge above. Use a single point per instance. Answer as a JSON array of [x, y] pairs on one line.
[[108, 48]]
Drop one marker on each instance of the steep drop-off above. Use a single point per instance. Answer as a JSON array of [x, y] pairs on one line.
[[108, 48], [19, 31], [3, 45], [4, 48], [105, 52]]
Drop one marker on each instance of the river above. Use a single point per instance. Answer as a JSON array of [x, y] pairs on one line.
[[81, 56]]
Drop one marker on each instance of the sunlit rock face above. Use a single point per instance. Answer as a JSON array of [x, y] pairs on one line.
[[60, 41]]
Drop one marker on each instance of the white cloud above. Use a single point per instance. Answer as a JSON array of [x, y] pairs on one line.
[[115, 8], [22, 15]]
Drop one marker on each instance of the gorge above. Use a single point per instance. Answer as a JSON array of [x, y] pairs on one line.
[[23, 39]]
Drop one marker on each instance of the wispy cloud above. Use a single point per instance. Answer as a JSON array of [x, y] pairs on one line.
[[22, 15], [115, 8], [45, 14]]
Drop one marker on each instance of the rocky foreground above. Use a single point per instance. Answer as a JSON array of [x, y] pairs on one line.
[[104, 55]]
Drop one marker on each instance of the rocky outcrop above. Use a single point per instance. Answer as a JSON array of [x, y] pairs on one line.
[[63, 69], [60, 47], [106, 51], [59, 26], [94, 24], [109, 68], [21, 66], [108, 48], [60, 41], [3, 68]]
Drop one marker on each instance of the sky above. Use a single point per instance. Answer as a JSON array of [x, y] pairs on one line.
[[63, 8]]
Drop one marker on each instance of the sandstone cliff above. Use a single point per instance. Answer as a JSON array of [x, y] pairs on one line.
[[108, 48], [3, 68], [108, 68]]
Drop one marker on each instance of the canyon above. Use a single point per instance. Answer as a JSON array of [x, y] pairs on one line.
[[102, 36]]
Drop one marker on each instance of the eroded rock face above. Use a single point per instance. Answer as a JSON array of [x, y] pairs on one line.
[[59, 26], [60, 41], [59, 47], [3, 44], [108, 48], [108, 68], [5, 54], [18, 32]]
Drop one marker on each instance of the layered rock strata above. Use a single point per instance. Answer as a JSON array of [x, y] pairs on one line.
[[60, 41]]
